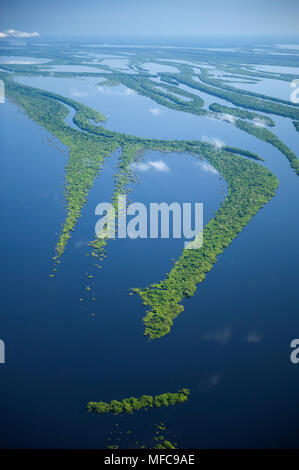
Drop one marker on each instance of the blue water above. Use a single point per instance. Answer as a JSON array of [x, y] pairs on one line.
[[21, 60], [72, 68], [277, 69], [279, 89], [231, 344], [155, 68]]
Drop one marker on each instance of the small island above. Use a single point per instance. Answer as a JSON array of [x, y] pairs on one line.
[[129, 405]]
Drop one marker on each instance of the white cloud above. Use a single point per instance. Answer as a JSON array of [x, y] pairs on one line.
[[78, 94], [155, 111], [17, 34], [213, 380], [259, 122], [80, 243], [217, 142], [227, 117], [254, 338], [129, 92], [209, 168], [107, 90], [289, 46], [221, 337], [210, 381], [20, 62], [206, 167], [140, 166], [158, 165]]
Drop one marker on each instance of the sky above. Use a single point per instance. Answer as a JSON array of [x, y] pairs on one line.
[[160, 18]]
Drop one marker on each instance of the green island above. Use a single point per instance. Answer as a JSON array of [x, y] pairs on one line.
[[86, 151], [169, 93], [246, 100], [268, 136], [241, 113], [164, 444], [129, 405], [250, 186], [206, 77], [180, 78], [145, 86], [159, 440], [245, 153]]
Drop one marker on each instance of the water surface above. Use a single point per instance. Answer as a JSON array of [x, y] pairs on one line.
[[231, 344]]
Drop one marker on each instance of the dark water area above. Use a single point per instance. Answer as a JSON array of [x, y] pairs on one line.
[[230, 346]]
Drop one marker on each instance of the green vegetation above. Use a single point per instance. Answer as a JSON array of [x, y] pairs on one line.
[[207, 78], [246, 100], [250, 186], [254, 74], [144, 86], [165, 445], [268, 136], [245, 153], [86, 151], [160, 438], [122, 179], [259, 131], [160, 441], [242, 113], [129, 405]]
